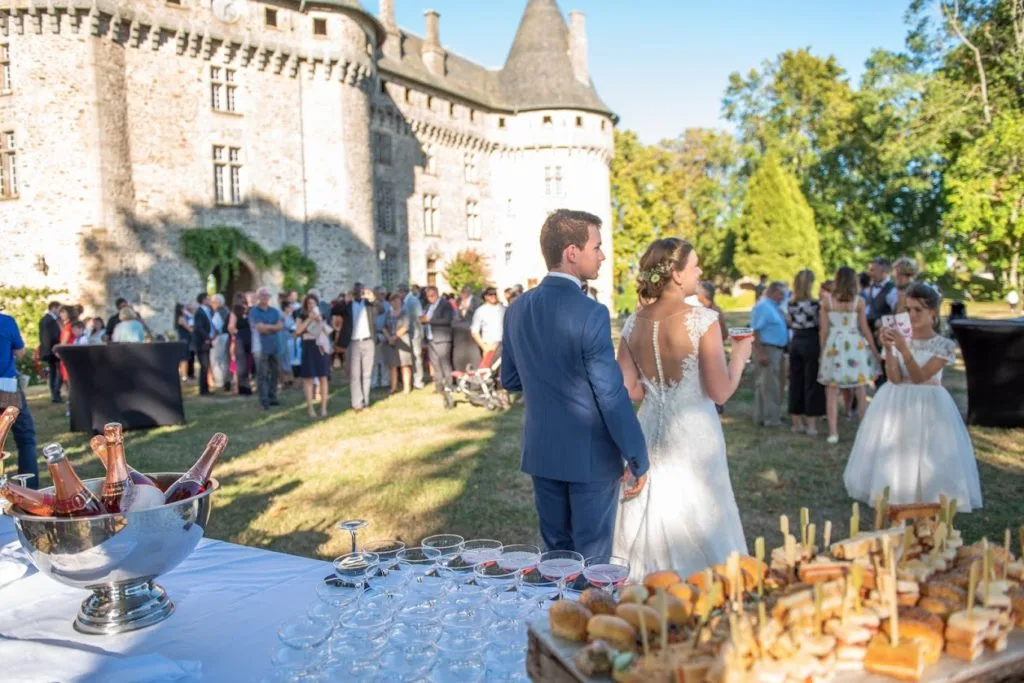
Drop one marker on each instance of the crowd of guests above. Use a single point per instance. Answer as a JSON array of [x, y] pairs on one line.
[[366, 337]]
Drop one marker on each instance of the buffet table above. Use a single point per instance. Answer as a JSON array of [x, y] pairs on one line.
[[229, 601]]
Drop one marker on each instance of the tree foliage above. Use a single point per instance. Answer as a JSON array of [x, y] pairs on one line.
[[27, 305], [468, 268]]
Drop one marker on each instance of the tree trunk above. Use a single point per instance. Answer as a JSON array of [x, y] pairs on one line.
[[952, 17]]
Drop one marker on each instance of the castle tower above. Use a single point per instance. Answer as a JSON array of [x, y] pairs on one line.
[[560, 139]]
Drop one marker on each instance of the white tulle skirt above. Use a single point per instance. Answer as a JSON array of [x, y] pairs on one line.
[[914, 441]]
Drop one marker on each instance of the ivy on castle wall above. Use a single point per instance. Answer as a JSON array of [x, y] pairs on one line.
[[217, 248]]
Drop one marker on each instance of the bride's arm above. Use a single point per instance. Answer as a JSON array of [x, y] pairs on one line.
[[631, 377], [721, 378]]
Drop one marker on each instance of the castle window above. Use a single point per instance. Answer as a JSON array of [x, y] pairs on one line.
[[473, 220], [430, 159], [431, 219], [222, 89], [319, 27], [553, 181], [383, 87], [451, 110], [602, 124], [8, 169], [227, 175], [270, 17], [5, 68], [510, 208], [175, 3], [472, 114], [386, 208], [430, 102], [408, 95], [579, 121], [508, 253], [470, 161], [389, 269], [501, 122], [547, 120], [382, 148]]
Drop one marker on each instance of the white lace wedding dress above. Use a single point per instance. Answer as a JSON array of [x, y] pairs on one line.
[[686, 517]]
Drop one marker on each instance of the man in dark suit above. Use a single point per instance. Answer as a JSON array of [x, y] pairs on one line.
[[116, 318], [437, 330], [580, 433], [202, 334], [49, 336]]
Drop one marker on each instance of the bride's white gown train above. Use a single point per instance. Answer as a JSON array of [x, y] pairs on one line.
[[686, 517]]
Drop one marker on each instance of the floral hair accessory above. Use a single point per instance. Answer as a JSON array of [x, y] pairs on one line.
[[655, 273]]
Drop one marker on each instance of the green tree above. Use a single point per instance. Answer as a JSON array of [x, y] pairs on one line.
[[468, 268], [775, 232]]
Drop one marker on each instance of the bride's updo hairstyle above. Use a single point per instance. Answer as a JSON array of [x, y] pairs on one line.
[[657, 263]]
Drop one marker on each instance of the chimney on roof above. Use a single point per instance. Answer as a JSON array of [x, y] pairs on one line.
[[433, 54], [387, 15], [578, 46]]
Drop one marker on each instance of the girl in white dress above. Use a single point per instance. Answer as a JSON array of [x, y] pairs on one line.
[[673, 360], [913, 439]]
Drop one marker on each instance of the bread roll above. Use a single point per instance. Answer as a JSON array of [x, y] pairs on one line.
[[597, 601], [634, 593], [631, 613], [614, 630], [677, 610], [662, 579], [568, 620], [940, 607], [683, 591]]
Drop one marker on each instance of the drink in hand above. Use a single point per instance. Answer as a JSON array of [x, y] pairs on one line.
[[192, 482], [73, 499], [740, 333], [118, 488]]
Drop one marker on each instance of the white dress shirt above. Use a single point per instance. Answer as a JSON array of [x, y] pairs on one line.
[[427, 333], [571, 278], [360, 321]]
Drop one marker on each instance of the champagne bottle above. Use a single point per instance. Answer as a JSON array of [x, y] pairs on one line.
[[118, 488], [73, 499], [29, 500], [192, 482], [98, 444], [7, 419]]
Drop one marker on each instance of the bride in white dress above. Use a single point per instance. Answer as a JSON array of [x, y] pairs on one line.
[[672, 359]]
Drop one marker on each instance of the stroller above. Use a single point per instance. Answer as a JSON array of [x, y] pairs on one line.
[[479, 385]]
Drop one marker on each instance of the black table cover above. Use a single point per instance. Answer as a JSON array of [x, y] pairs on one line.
[[134, 384], [994, 356]]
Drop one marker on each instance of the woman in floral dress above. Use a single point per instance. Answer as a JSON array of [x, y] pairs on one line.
[[849, 359]]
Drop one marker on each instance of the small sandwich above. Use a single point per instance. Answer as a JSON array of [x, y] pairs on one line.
[[907, 593], [1017, 603], [922, 627], [940, 607], [905, 661], [966, 634], [865, 543], [946, 589], [913, 512], [821, 571]]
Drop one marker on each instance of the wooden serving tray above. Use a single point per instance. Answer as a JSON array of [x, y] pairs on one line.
[[549, 660]]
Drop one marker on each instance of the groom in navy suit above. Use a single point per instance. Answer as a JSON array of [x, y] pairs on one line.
[[580, 433]]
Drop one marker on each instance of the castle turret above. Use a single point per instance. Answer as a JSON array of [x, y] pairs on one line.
[[433, 53], [578, 46]]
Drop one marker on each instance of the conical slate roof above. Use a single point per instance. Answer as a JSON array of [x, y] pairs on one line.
[[538, 72]]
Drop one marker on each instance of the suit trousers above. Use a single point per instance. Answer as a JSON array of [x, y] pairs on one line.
[[360, 371], [768, 392], [417, 361], [441, 362], [204, 370], [577, 516], [56, 381], [24, 431]]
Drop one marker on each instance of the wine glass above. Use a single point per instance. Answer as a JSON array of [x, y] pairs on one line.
[[479, 550], [560, 566], [333, 590], [607, 572], [353, 526], [448, 544], [386, 550], [355, 568], [740, 333], [418, 561]]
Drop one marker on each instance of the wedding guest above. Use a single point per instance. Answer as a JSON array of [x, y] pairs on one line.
[[762, 285], [488, 322], [268, 323], [848, 352], [414, 311], [183, 327], [79, 336], [202, 334], [241, 344], [97, 331], [770, 339], [220, 352], [67, 315], [358, 338], [864, 281], [12, 348], [292, 355], [437, 328], [381, 312], [314, 331], [706, 298], [806, 395], [396, 330], [467, 303], [115, 319], [49, 336], [913, 440], [825, 291], [129, 330], [1013, 299], [904, 270]]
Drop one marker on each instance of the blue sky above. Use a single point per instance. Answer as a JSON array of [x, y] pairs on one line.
[[663, 65]]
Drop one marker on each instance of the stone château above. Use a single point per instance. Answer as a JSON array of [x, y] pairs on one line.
[[376, 151]]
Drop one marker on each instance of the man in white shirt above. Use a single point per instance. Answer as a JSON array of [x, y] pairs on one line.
[[488, 322], [357, 330]]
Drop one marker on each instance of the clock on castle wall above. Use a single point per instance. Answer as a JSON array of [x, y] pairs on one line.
[[228, 11]]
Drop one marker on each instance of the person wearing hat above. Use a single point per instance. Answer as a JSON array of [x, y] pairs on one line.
[[488, 322]]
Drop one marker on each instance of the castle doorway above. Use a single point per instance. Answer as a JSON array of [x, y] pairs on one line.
[[244, 280]]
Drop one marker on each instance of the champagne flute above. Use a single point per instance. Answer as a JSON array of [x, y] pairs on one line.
[[561, 566], [353, 526]]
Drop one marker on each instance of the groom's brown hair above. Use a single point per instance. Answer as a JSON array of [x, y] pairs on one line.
[[562, 228]]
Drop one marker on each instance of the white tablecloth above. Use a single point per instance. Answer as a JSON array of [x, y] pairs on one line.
[[229, 601]]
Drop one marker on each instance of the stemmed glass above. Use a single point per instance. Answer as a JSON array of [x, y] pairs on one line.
[[607, 572], [352, 526], [479, 550], [519, 556], [560, 566], [418, 561], [356, 568], [302, 639], [387, 578], [447, 544]]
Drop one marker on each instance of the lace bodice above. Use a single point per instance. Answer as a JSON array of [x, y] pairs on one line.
[[666, 352], [924, 350]]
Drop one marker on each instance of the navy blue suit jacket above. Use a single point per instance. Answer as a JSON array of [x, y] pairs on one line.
[[557, 349]]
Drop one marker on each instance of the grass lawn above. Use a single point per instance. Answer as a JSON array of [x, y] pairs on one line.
[[412, 469]]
